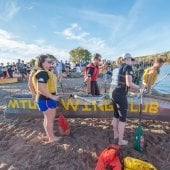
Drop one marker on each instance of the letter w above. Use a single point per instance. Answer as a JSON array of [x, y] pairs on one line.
[[68, 104]]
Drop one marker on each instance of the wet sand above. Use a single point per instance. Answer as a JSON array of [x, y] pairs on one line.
[[24, 147]]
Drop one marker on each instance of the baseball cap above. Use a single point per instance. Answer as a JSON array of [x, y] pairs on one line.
[[127, 55]]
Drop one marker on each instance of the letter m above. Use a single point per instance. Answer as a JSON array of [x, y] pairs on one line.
[[13, 104]]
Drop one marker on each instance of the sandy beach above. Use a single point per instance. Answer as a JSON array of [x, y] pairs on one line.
[[24, 147]]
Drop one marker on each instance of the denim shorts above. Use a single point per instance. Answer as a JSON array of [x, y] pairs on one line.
[[44, 105]]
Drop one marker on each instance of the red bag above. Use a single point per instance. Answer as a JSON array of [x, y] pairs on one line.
[[109, 159], [63, 125]]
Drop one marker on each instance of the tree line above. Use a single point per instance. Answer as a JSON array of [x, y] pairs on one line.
[[165, 56], [80, 54]]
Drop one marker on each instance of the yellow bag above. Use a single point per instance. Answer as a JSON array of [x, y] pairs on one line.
[[137, 164]]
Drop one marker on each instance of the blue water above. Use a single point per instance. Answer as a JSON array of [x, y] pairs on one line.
[[163, 81]]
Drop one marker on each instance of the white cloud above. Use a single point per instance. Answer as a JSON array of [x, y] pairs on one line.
[[74, 32], [113, 22], [85, 40], [40, 41], [12, 48], [124, 36], [8, 10], [4, 34], [97, 45], [134, 14], [149, 40]]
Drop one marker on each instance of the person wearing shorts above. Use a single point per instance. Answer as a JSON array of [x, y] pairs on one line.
[[119, 96], [44, 85]]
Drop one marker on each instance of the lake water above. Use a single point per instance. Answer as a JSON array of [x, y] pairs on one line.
[[163, 81]]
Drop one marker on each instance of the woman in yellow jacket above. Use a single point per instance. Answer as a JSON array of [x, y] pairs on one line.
[[44, 85], [151, 74]]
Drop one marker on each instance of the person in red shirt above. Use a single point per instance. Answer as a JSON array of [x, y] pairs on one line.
[[91, 75]]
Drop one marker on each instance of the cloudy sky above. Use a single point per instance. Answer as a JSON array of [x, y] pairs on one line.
[[109, 27]]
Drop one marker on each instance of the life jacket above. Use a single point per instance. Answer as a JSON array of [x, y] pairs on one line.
[[120, 81], [51, 83], [95, 71], [133, 163], [114, 81], [115, 75], [146, 76], [109, 159]]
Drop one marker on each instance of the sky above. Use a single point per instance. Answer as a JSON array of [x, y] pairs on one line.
[[110, 27]]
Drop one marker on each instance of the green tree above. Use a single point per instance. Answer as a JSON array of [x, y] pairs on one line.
[[79, 54], [32, 62]]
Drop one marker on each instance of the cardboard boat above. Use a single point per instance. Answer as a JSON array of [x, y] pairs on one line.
[[81, 106], [8, 80]]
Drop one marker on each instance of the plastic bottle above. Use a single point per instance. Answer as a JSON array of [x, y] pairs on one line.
[[138, 143]]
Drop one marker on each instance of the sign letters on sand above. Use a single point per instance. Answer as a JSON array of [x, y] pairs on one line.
[[151, 107]]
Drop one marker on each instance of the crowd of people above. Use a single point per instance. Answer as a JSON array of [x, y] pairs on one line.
[[64, 69], [22, 69], [18, 69], [138, 68]]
